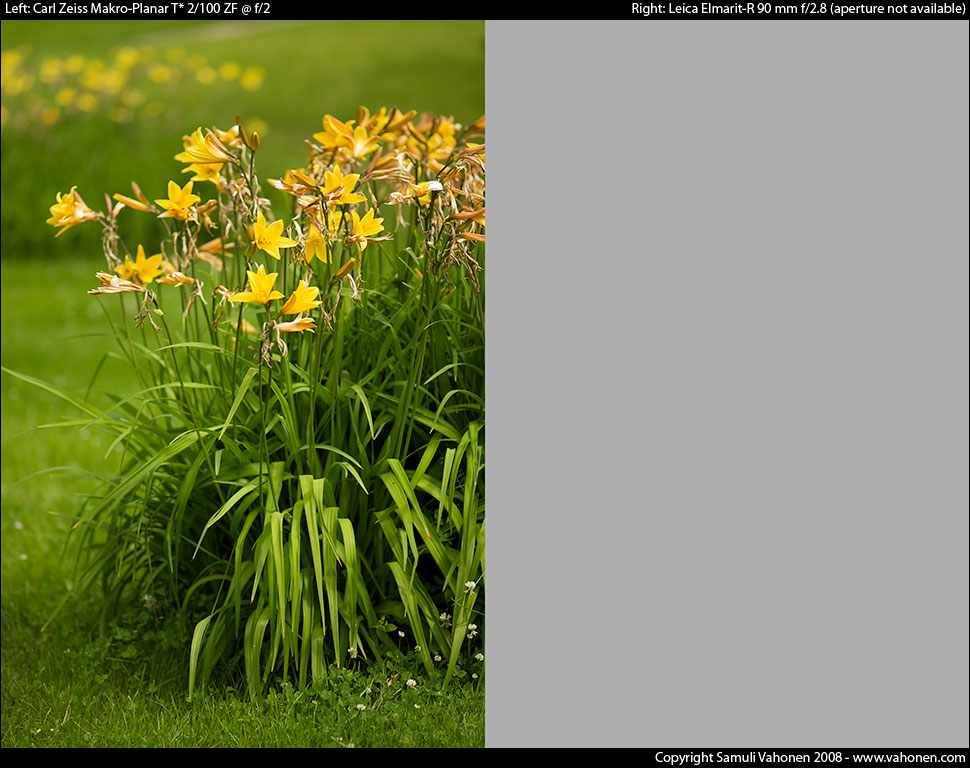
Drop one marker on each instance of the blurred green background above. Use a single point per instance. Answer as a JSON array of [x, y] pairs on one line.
[[98, 105]]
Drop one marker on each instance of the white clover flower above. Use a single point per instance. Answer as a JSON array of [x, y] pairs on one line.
[[361, 707], [480, 657], [437, 657], [412, 683], [400, 633], [417, 649], [444, 616], [469, 586], [474, 676]]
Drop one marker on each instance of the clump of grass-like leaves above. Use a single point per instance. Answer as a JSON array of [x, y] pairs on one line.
[[303, 468]]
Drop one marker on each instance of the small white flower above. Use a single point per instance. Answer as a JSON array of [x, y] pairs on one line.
[[417, 706], [367, 690], [474, 676], [417, 649], [445, 616], [480, 656], [469, 586], [361, 707], [437, 657], [22, 556], [412, 683], [352, 652], [18, 525], [400, 633]]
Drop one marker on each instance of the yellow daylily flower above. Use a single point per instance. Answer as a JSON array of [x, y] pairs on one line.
[[338, 188], [363, 144], [179, 203], [392, 127], [268, 237], [230, 138], [437, 145], [363, 229], [260, 288], [143, 269], [205, 171], [69, 210], [315, 244], [203, 149], [335, 133], [304, 298]]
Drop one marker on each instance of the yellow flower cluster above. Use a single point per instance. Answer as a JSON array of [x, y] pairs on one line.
[[390, 158]]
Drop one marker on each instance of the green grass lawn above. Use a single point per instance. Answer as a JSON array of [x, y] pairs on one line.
[[67, 682]]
